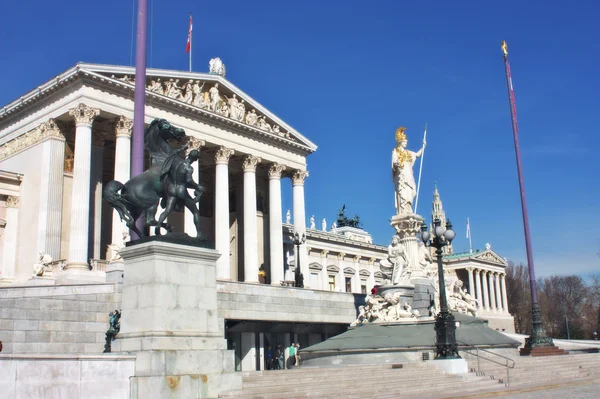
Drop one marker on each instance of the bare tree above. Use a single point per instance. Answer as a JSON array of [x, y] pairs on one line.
[[519, 296], [562, 299]]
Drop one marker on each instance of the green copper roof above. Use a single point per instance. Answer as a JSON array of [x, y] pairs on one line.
[[462, 255]]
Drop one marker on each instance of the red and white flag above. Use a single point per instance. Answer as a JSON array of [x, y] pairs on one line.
[[188, 47]]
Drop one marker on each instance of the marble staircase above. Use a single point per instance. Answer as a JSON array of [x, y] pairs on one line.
[[537, 371], [415, 379], [365, 381], [57, 319]]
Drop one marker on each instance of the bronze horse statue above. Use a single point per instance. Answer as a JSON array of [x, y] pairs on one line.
[[140, 196]]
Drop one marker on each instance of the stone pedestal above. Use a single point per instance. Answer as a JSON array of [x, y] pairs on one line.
[[407, 228], [451, 366], [404, 289], [115, 272], [170, 322]]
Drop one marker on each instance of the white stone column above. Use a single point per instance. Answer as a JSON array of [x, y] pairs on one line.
[[80, 198], [97, 164], [250, 220], [486, 298], [189, 227], [11, 238], [478, 284], [504, 297], [222, 212], [498, 293], [492, 292], [471, 282], [123, 127], [300, 221], [275, 224], [51, 190]]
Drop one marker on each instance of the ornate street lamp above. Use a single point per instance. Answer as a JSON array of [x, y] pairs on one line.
[[298, 240], [445, 325]]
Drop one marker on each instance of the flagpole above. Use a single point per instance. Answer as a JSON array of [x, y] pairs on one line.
[[139, 102], [420, 169], [191, 34], [537, 338]]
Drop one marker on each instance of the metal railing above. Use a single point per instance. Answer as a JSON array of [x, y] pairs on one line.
[[505, 361]]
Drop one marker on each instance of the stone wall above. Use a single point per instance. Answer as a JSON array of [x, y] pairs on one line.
[[56, 319], [61, 377], [239, 301]]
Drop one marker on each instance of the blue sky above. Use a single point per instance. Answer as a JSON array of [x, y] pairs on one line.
[[347, 73]]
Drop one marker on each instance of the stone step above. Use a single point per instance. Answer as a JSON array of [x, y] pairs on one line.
[[325, 378], [313, 371], [393, 388], [334, 382]]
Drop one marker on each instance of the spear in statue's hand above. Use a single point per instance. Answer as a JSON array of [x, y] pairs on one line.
[[421, 167]]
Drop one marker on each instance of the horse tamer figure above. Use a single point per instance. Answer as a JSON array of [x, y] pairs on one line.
[[167, 181]]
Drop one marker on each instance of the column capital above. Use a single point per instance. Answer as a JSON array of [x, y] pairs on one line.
[[195, 143], [123, 126], [275, 171], [470, 269], [357, 258], [222, 155], [50, 129], [298, 177], [12, 201], [372, 260], [324, 253], [84, 115], [250, 162], [341, 255]]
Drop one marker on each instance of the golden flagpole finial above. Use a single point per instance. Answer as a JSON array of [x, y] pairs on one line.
[[504, 47]]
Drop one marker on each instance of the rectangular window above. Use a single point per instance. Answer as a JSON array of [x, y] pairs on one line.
[[314, 281], [331, 283], [363, 286], [348, 284]]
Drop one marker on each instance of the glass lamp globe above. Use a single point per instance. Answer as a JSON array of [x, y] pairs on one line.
[[449, 235], [425, 236], [438, 231]]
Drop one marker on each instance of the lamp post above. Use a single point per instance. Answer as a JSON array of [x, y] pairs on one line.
[[298, 240], [445, 325]]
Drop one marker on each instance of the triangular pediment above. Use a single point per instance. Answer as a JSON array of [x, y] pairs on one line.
[[491, 257], [205, 93]]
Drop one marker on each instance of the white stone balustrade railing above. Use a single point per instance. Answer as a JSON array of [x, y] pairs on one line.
[[98, 265]]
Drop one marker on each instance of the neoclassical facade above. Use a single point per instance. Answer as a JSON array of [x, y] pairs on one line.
[[62, 142]]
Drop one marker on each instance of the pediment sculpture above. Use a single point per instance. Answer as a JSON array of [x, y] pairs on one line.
[[210, 98]]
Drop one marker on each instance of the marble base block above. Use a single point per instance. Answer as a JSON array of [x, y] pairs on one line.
[[451, 366], [170, 321]]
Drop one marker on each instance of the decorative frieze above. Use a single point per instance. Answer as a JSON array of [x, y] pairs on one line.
[[12, 201], [46, 130], [275, 171], [84, 115], [223, 154], [298, 177], [250, 162]]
